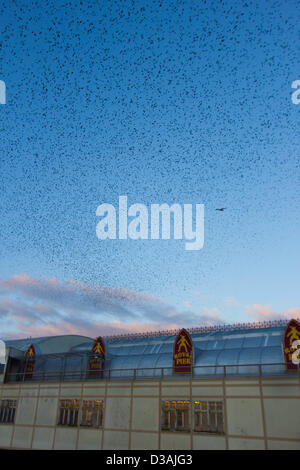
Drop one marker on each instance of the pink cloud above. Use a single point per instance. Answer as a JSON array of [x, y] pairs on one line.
[[265, 313], [37, 307], [212, 316], [91, 330]]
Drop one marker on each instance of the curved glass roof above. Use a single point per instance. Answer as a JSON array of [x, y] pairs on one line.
[[49, 344], [212, 351]]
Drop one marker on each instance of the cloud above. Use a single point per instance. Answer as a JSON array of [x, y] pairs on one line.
[[45, 307], [212, 316], [41, 307], [265, 313], [71, 294]]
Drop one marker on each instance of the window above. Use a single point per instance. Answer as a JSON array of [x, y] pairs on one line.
[[208, 416], [68, 413], [92, 413], [8, 411], [176, 415]]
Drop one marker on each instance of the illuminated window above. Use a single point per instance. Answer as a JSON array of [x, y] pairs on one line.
[[92, 413], [208, 416], [176, 415], [68, 412], [8, 411]]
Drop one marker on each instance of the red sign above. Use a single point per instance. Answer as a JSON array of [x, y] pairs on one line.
[[97, 358], [183, 353], [29, 362], [291, 334]]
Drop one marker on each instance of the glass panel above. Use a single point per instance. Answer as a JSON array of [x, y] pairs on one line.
[[186, 419], [220, 428], [172, 414], [179, 419]]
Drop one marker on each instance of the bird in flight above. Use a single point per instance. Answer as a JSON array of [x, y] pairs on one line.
[[221, 209]]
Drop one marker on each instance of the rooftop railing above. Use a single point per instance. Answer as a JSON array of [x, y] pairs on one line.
[[203, 329], [161, 373]]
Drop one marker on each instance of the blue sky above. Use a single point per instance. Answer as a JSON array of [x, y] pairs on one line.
[[186, 102]]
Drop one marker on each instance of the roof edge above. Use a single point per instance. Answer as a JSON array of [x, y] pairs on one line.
[[204, 329]]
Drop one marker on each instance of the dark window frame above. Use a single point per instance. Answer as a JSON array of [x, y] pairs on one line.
[[176, 415], [8, 408], [81, 412], [208, 416]]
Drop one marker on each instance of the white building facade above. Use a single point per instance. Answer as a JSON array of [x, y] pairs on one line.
[[235, 396]]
